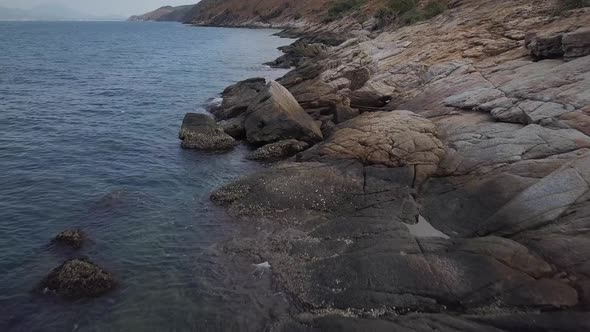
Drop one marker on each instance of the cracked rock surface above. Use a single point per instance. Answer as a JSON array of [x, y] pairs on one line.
[[462, 129]]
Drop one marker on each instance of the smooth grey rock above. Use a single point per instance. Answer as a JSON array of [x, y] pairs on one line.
[[237, 98], [276, 115]]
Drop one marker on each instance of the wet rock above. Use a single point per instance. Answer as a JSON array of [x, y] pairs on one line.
[[237, 98], [199, 131], [276, 116], [576, 43], [73, 238], [78, 278], [544, 46], [278, 150]]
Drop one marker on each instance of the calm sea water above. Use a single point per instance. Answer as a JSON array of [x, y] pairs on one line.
[[89, 116]]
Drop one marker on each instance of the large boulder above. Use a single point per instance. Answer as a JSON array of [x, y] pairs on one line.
[[276, 115], [199, 131], [237, 98], [78, 278]]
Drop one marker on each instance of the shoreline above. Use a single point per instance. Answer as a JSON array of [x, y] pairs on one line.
[[427, 198]]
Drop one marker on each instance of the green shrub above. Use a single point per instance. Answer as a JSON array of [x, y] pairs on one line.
[[340, 7], [408, 12], [401, 7], [573, 4], [434, 8], [411, 17], [563, 6]]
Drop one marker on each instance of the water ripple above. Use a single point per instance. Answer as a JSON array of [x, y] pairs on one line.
[[89, 116]]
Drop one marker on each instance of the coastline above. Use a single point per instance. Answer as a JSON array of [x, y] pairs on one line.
[[332, 221]]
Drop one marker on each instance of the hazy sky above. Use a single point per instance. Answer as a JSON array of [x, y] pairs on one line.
[[101, 7]]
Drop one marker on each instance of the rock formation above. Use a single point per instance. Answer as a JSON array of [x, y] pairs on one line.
[[477, 122], [78, 278], [74, 238], [275, 115], [199, 131]]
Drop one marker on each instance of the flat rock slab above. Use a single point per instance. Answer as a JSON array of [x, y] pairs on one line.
[[391, 139]]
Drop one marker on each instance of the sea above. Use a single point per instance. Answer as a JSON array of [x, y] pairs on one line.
[[89, 121]]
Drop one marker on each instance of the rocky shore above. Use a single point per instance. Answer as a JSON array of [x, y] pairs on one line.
[[475, 123]]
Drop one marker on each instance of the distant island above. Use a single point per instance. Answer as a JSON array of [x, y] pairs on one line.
[[165, 13]]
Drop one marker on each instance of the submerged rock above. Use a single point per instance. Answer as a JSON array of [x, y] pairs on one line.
[[278, 150], [73, 238], [276, 115], [199, 131], [78, 278]]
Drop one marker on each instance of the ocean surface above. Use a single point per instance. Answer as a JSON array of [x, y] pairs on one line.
[[89, 118]]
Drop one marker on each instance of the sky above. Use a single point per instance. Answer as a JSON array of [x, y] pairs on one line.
[[122, 8]]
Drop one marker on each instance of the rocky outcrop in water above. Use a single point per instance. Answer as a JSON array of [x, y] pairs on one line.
[[478, 122], [199, 131], [74, 238], [78, 278]]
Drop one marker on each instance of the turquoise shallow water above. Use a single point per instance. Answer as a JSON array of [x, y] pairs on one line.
[[89, 116]]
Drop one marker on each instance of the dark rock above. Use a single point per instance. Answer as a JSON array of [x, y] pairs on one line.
[[78, 278], [199, 131], [234, 127], [278, 150], [344, 113], [357, 77], [297, 53], [276, 116], [237, 98], [544, 46], [576, 43], [73, 238]]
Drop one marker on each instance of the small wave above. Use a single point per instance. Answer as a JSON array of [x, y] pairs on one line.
[[215, 102]]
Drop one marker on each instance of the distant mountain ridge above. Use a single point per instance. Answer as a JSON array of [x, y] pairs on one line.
[[49, 12], [165, 13]]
